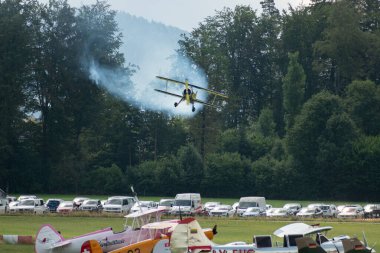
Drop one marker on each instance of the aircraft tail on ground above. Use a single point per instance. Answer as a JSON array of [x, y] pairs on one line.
[[308, 245], [353, 245], [188, 236], [46, 238]]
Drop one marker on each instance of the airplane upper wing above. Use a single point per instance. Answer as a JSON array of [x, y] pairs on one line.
[[194, 86], [168, 93]]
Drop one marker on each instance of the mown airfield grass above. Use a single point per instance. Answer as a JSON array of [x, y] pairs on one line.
[[229, 229]]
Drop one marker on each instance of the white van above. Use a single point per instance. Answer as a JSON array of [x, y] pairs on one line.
[[3, 205], [187, 204], [246, 202], [118, 204]]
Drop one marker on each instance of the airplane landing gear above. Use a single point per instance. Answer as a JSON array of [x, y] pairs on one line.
[[193, 109], [175, 104]]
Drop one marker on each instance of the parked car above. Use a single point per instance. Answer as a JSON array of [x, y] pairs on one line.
[[222, 210], [77, 202], [247, 202], [277, 212], [340, 208], [166, 204], [310, 212], [143, 206], [293, 208], [91, 205], [371, 210], [208, 206], [35, 206], [253, 212], [52, 204], [22, 197], [352, 211], [315, 205], [13, 203], [118, 204], [65, 207], [329, 211], [235, 206], [3, 205], [11, 199]]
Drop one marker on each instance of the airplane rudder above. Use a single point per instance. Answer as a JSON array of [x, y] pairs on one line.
[[45, 237]]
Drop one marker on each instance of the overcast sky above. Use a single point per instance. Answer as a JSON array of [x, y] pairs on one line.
[[184, 14]]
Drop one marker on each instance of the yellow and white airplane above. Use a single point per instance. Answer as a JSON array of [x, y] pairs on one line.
[[188, 93]]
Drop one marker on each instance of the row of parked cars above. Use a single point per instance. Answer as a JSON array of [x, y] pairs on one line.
[[187, 204], [115, 204], [295, 209]]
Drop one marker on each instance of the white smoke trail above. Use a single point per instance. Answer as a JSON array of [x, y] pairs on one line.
[[151, 47]]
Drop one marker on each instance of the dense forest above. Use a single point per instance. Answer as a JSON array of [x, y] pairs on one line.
[[302, 120]]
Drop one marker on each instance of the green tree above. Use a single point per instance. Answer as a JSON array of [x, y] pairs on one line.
[[191, 165], [318, 141], [15, 59], [363, 104], [293, 89], [227, 174], [342, 53]]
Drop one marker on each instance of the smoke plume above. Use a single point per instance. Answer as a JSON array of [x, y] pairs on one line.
[[154, 55]]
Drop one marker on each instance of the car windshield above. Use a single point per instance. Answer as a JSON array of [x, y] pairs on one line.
[[53, 203], [114, 202], [90, 202], [247, 204], [166, 202], [325, 207], [349, 209], [142, 204], [27, 203], [223, 208], [182, 202], [369, 207]]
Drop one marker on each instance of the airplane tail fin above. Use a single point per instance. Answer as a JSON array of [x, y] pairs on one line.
[[188, 236], [353, 245], [308, 245], [46, 237]]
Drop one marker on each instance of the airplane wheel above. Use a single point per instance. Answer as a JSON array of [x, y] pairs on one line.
[[175, 104], [193, 110]]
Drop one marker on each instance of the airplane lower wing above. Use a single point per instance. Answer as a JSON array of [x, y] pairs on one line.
[[168, 93]]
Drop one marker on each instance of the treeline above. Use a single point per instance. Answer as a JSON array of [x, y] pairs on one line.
[[302, 120]]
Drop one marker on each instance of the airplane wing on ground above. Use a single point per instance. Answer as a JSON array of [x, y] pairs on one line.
[[168, 93], [194, 86]]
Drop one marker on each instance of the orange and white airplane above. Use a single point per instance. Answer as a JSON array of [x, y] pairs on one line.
[[146, 231]]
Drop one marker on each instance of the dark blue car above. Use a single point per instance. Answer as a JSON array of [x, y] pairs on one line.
[[53, 204]]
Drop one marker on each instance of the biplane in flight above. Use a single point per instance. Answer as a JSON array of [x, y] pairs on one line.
[[188, 93]]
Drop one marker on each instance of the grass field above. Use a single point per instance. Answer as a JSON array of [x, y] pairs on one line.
[[229, 229]]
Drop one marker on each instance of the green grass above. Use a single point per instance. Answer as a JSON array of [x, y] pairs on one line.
[[229, 229]]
